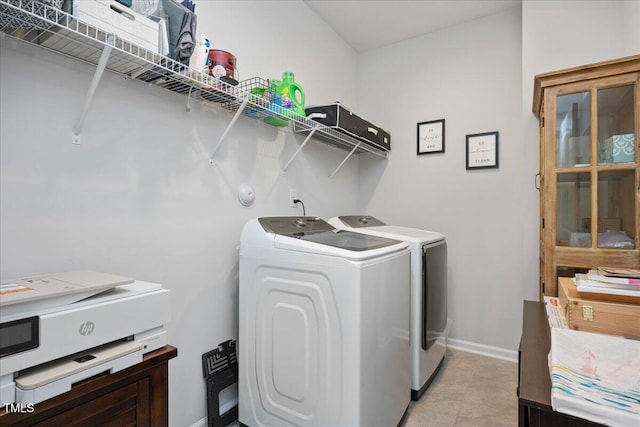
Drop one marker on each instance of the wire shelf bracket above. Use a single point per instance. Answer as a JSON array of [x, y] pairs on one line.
[[345, 160], [229, 126], [97, 75], [284, 169], [188, 109]]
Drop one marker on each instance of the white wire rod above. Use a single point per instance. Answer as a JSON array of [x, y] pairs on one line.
[[229, 126], [334, 134], [77, 128], [42, 6], [284, 169], [189, 100], [303, 125], [134, 74], [345, 159]]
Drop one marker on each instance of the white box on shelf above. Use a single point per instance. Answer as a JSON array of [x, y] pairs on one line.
[[113, 17]]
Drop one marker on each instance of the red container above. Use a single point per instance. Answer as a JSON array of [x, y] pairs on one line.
[[222, 64]]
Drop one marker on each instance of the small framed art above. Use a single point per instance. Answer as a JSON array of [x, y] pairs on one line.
[[431, 137], [482, 150]]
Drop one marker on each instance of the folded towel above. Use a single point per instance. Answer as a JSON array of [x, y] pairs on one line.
[[595, 376]]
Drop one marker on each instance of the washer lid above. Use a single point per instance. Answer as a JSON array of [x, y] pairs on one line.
[[315, 230], [348, 240], [290, 225]]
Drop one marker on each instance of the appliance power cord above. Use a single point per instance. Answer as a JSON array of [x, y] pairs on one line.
[[296, 201]]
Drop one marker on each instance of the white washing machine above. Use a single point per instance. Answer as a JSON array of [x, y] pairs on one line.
[[323, 327], [429, 323]]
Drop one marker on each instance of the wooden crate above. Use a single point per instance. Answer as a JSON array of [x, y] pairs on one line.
[[602, 313]]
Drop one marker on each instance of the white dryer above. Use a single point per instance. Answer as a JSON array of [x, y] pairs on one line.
[[323, 326], [429, 323]]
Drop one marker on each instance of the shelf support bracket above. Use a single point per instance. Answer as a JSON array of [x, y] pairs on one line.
[[229, 126], [102, 63], [189, 100], [284, 169], [345, 159]]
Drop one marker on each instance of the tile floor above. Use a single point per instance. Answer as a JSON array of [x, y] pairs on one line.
[[470, 390]]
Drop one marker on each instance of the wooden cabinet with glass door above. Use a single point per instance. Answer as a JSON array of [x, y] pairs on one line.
[[589, 168]]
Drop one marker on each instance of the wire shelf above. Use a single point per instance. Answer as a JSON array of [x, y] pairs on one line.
[[46, 26]]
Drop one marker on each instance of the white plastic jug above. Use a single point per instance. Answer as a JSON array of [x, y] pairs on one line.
[[199, 60]]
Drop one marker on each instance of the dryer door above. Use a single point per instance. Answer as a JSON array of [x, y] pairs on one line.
[[434, 293]]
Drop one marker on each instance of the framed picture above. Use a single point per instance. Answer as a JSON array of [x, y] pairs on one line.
[[482, 150], [431, 137]]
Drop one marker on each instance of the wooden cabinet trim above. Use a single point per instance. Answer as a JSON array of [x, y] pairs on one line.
[[576, 74]]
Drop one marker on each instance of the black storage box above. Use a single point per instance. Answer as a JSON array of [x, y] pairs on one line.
[[341, 119]]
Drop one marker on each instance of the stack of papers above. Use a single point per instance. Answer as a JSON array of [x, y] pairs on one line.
[[610, 281], [555, 314], [595, 377], [619, 272]]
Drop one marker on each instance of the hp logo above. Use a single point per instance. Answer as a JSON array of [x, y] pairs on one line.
[[86, 328]]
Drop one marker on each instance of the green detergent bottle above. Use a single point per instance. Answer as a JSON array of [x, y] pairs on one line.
[[288, 99]]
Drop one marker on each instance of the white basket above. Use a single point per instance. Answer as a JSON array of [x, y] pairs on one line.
[[116, 18]]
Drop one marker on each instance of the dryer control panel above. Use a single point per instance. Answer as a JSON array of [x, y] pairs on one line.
[[360, 221]]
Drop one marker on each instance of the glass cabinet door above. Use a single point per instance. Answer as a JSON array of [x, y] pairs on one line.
[[573, 206], [616, 131], [573, 130], [616, 210], [614, 218]]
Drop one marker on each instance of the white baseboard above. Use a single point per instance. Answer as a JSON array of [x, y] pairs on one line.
[[203, 423], [485, 350], [200, 423]]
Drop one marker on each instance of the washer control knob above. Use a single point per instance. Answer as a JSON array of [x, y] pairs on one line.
[[299, 222]]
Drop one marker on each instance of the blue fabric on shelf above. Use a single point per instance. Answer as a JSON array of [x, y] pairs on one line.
[[189, 5]]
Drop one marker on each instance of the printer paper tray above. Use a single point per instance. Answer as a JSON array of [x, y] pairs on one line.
[[53, 378]]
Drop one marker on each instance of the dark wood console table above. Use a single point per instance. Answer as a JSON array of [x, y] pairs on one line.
[[534, 382], [136, 396]]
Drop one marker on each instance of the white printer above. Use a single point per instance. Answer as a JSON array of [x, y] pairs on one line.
[[58, 329]]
